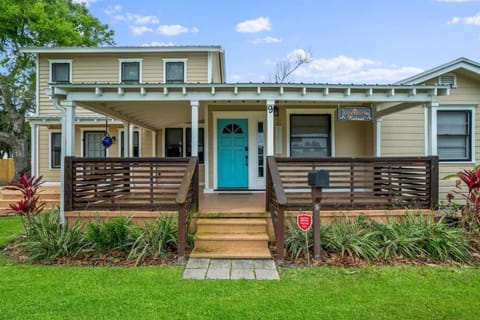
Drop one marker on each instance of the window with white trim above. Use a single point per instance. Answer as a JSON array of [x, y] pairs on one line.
[[175, 71], [135, 142], [61, 71], [176, 146], [310, 135], [454, 135], [55, 149], [92, 144], [130, 71]]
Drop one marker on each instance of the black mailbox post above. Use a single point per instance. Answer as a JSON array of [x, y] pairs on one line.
[[317, 180]]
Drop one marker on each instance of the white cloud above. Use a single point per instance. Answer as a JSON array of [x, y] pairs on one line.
[[141, 19], [158, 44], [473, 20], [139, 30], [256, 25], [267, 39], [348, 69], [110, 11], [85, 2], [174, 30]]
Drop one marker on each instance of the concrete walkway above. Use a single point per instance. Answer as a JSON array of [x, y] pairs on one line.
[[200, 269]]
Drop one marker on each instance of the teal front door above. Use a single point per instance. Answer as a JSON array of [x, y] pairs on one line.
[[232, 137]]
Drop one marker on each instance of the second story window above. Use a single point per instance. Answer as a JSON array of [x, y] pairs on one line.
[[60, 71], [175, 71], [130, 71]]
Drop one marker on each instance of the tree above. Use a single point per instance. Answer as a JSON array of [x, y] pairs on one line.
[[295, 60], [35, 23]]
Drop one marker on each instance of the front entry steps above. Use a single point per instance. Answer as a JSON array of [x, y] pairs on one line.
[[231, 238]]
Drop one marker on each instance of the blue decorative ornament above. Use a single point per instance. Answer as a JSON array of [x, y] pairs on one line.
[[107, 141]]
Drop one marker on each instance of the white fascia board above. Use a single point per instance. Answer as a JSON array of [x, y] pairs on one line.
[[122, 49]]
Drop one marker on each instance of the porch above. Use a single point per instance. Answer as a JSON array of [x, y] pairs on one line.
[[153, 187]]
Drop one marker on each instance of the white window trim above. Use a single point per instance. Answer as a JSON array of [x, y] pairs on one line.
[[330, 112], [454, 85], [184, 60], [52, 61], [184, 140], [50, 148], [119, 141], [140, 67], [82, 144], [472, 109]]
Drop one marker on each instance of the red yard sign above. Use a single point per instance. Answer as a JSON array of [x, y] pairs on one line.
[[304, 222]]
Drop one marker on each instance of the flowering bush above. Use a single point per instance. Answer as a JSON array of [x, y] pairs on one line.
[[471, 179], [29, 206]]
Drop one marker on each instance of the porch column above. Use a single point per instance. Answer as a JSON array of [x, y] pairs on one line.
[[33, 148], [69, 128], [130, 140], [378, 137], [126, 139], [154, 142], [194, 142], [431, 129], [270, 126]]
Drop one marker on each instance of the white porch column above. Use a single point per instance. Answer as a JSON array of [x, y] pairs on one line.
[[270, 126], [194, 142], [431, 129], [130, 140], [69, 128], [378, 137], [126, 139], [34, 149], [154, 142]]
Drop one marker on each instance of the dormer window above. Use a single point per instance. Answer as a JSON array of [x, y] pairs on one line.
[[61, 71], [130, 71], [175, 70]]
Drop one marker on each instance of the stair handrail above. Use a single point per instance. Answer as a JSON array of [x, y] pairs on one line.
[[188, 187]]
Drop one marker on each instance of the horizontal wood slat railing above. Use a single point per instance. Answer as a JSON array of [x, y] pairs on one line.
[[143, 184], [355, 184]]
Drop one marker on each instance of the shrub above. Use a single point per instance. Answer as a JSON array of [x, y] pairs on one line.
[[48, 239], [156, 240], [29, 206], [295, 240], [352, 237], [112, 234]]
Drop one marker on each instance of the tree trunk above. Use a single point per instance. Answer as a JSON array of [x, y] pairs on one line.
[[20, 157]]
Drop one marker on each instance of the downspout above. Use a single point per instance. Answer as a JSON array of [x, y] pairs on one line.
[[58, 106]]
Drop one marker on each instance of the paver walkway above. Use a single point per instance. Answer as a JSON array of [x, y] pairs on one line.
[[200, 269]]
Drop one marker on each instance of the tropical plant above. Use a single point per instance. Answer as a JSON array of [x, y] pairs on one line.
[[48, 239], [470, 197], [295, 243], [352, 237], [157, 239], [112, 234], [29, 206]]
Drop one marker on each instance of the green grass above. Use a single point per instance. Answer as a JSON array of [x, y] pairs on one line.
[[401, 292], [44, 292], [10, 228]]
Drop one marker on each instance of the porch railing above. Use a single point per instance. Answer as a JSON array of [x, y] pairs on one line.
[[142, 184], [355, 183]]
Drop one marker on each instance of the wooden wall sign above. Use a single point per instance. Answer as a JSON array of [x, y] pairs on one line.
[[354, 114]]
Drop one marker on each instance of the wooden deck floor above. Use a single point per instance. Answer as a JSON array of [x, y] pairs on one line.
[[232, 202]]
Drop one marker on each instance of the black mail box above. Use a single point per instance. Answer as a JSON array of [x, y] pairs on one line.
[[319, 179]]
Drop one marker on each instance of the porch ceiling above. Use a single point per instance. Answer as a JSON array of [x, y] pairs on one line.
[[154, 106]]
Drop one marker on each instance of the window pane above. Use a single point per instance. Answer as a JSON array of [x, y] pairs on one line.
[[61, 72], [200, 144], [174, 142], [56, 149], [131, 72], [93, 147], [310, 136], [454, 135], [174, 72], [260, 150]]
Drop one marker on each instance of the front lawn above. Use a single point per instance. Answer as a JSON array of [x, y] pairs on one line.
[[400, 292]]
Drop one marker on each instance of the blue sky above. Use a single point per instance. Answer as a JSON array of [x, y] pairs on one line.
[[369, 41]]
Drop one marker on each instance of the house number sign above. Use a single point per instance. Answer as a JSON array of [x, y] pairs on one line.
[[270, 108], [355, 114]]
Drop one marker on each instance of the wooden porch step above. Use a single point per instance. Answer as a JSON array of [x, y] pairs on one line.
[[231, 238]]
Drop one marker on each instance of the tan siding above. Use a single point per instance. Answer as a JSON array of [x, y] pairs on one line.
[[403, 133], [216, 69], [49, 175]]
